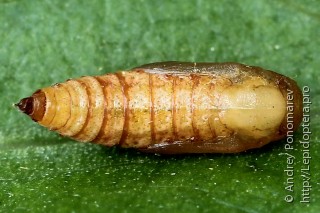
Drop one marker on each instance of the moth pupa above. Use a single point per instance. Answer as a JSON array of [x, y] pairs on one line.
[[171, 107]]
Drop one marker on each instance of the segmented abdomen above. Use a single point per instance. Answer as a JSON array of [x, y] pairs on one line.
[[133, 109]]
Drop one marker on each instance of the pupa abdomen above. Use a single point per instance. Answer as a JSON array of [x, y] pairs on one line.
[[171, 107]]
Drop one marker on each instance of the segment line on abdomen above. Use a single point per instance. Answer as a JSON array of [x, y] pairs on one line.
[[126, 109]]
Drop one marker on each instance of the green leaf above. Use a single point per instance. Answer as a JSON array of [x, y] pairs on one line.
[[44, 42]]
